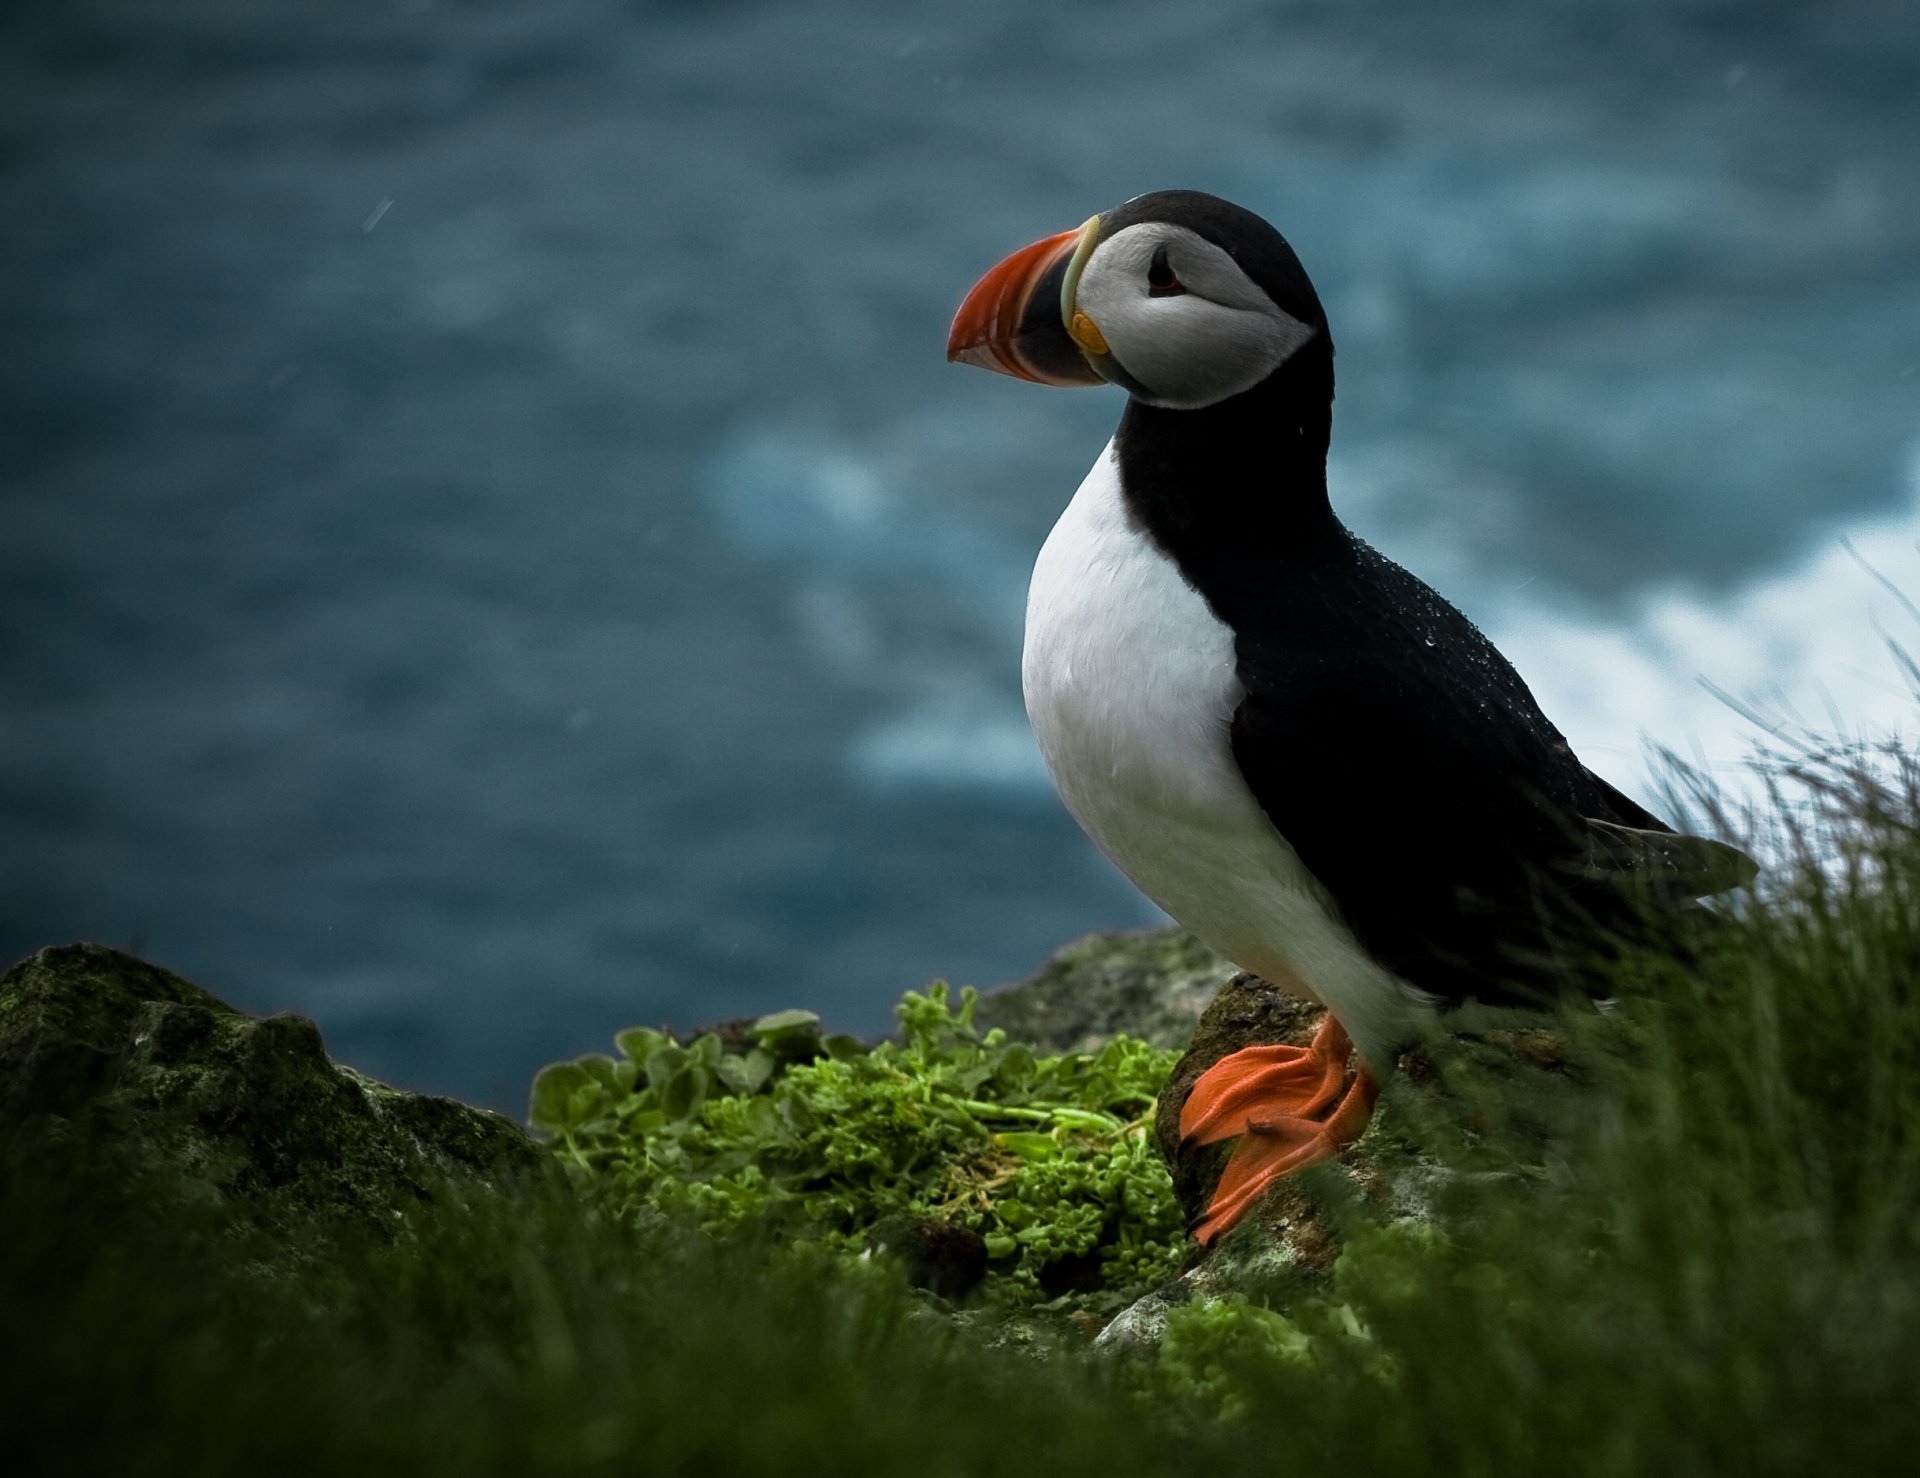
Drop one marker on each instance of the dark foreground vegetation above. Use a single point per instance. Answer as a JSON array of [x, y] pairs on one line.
[[1707, 1260]]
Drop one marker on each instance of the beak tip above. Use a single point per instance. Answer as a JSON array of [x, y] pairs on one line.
[[981, 356]]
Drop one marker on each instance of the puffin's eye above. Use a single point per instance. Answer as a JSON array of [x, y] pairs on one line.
[[1161, 283]]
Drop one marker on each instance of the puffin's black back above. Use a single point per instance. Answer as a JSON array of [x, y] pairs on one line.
[[1392, 745], [1407, 763]]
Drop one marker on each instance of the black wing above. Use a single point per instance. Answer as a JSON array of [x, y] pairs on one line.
[[1406, 762]]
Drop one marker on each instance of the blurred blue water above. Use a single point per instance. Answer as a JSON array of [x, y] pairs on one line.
[[492, 552]]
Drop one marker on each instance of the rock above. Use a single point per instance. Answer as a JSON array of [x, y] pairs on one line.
[[112, 1060], [1167, 987], [1170, 989], [149, 1081], [1442, 1096], [1288, 1223], [1150, 984]]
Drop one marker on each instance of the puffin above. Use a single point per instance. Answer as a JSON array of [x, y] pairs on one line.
[[1296, 748]]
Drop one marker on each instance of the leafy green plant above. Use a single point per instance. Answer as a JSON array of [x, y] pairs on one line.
[[1048, 1158]]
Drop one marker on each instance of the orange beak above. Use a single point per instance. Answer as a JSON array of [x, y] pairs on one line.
[[1012, 322]]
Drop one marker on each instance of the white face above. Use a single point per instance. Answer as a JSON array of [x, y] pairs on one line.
[[1181, 318]]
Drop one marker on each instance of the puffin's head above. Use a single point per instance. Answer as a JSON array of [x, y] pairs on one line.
[[1181, 298]]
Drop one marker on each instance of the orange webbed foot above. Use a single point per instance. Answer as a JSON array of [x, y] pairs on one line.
[[1292, 1107]]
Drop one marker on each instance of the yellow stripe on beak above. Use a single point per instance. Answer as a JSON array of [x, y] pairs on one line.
[[1082, 329]]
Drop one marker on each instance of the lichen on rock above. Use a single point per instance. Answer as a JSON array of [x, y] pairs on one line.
[[1483, 1101], [1153, 985], [242, 1119]]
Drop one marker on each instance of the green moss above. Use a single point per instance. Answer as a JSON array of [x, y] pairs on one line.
[[1151, 986], [202, 1106]]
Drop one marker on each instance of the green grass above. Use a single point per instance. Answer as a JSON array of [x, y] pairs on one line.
[[1714, 1268]]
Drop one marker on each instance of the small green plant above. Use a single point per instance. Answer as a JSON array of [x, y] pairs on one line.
[[1048, 1158]]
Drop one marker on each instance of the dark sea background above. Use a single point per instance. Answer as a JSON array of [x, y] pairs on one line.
[[492, 552]]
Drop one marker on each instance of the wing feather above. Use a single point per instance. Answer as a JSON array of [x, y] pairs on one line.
[[1466, 844]]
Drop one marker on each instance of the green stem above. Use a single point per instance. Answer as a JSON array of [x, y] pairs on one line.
[[1005, 1111]]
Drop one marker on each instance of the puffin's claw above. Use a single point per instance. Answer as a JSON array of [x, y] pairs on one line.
[[1293, 1107]]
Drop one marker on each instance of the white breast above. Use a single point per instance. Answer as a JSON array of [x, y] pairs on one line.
[[1131, 689]]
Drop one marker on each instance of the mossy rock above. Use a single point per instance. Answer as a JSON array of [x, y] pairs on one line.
[[245, 1122], [1153, 985], [1488, 1071]]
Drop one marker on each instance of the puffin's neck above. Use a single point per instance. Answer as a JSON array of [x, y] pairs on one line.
[[1236, 491]]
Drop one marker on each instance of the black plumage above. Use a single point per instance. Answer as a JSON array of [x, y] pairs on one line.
[[1391, 744]]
